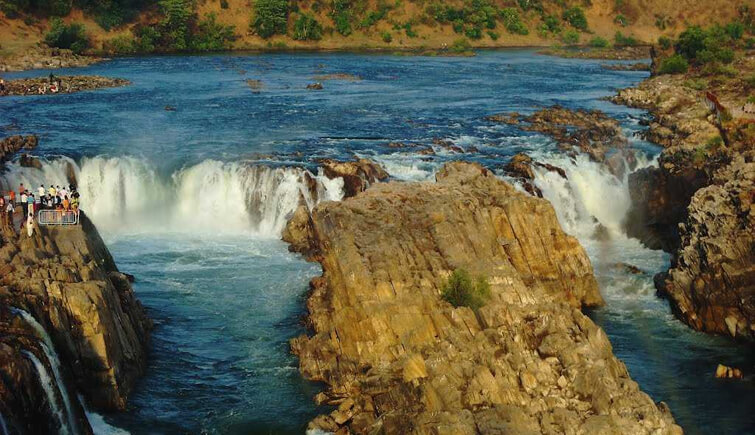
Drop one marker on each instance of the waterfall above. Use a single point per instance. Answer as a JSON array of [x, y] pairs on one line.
[[128, 194], [46, 382], [590, 196], [2, 424], [52, 358]]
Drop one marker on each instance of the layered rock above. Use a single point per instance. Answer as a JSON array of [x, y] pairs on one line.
[[521, 167], [67, 280], [398, 358], [67, 85], [711, 284], [357, 175]]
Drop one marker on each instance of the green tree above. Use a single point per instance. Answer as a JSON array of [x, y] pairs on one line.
[[72, 36], [178, 18], [675, 64], [306, 28], [270, 17], [211, 35], [576, 17]]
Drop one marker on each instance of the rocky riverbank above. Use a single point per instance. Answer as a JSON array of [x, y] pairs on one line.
[[64, 85], [617, 53], [69, 324], [697, 204], [397, 358], [44, 57]]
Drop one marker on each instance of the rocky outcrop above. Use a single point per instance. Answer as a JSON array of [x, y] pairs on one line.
[[520, 167], [711, 283], [639, 66], [10, 145], [67, 280], [398, 359], [357, 175], [588, 131], [66, 85], [44, 57]]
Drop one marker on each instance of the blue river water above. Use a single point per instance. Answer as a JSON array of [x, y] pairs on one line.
[[192, 201]]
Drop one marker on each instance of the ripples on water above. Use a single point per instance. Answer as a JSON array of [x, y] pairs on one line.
[[182, 208]]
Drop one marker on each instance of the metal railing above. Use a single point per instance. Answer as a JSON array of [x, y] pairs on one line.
[[58, 217]]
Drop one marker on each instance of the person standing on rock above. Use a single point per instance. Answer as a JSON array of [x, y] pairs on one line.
[[24, 204], [30, 203], [41, 191], [9, 209], [21, 189], [52, 191]]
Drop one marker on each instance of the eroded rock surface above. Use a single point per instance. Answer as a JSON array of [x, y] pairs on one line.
[[711, 284], [66, 279], [357, 175], [397, 358]]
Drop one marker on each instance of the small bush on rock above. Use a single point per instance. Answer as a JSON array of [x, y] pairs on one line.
[[462, 291], [576, 17], [599, 42], [675, 64]]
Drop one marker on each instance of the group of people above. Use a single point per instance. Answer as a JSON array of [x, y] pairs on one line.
[[65, 200]]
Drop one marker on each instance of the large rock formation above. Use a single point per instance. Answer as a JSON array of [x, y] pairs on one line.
[[711, 284], [398, 358], [10, 145], [67, 280]]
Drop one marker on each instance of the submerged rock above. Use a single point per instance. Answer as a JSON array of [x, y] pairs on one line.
[[725, 372], [315, 86], [591, 132], [400, 359]]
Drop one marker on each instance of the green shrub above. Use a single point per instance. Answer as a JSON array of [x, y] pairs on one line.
[[570, 37], [178, 19], [120, 45], [146, 39], [576, 17], [552, 23], [72, 36], [493, 35], [620, 40], [665, 42], [343, 25], [211, 35], [750, 81], [386, 36], [462, 291], [470, 19], [270, 17], [717, 68], [599, 42], [690, 42], [306, 28], [735, 30], [621, 20], [223, 4], [460, 45], [374, 16], [513, 22], [675, 64], [696, 84]]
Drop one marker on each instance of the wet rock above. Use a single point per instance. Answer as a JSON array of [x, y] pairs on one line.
[[383, 338], [711, 283], [10, 145], [591, 132], [315, 86], [520, 167], [60, 85], [28, 161], [448, 145], [639, 66], [629, 268], [725, 372], [337, 76], [170, 108], [254, 85], [357, 175]]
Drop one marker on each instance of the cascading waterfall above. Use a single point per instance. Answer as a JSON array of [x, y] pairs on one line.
[[47, 385], [211, 196], [52, 358], [591, 194]]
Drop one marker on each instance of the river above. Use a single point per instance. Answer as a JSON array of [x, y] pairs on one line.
[[192, 201]]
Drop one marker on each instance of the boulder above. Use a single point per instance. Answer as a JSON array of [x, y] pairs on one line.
[[726, 372], [406, 361], [357, 175]]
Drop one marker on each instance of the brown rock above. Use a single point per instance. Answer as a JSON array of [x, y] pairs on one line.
[[377, 312], [725, 372], [357, 175]]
